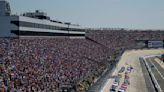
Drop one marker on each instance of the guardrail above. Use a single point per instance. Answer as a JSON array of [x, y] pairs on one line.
[[101, 82], [111, 72], [155, 83]]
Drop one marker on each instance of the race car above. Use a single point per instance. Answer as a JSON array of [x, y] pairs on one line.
[[117, 80], [121, 90], [113, 88], [124, 87], [126, 81], [122, 70]]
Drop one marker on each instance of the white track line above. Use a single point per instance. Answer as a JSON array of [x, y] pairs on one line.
[[157, 69], [156, 83]]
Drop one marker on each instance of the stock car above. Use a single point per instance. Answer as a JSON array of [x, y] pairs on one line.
[[162, 57], [127, 77], [129, 69], [117, 80], [124, 87], [113, 88], [122, 70], [121, 90], [126, 81], [115, 84]]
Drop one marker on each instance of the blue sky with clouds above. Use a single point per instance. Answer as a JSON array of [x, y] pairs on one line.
[[138, 14]]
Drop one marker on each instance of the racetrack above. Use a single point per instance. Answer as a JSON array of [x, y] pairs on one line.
[[139, 77], [157, 71]]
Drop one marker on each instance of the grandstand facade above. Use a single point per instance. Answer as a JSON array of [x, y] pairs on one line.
[[34, 24]]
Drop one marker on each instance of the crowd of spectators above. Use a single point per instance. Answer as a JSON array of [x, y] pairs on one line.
[[124, 39], [44, 64]]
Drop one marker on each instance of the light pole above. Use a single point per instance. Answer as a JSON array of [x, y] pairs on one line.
[[68, 23]]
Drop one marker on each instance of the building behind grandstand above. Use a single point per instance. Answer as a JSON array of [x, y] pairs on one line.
[[34, 24]]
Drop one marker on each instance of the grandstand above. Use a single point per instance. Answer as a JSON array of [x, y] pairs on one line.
[[61, 64], [49, 63], [35, 24]]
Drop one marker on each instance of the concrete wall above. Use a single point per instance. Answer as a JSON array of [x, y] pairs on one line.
[[6, 26], [2, 8]]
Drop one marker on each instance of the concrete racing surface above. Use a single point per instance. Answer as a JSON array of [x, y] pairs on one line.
[[157, 71]]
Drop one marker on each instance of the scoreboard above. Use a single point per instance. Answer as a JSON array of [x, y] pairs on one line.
[[155, 44]]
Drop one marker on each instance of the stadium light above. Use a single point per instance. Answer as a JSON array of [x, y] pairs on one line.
[[68, 23]]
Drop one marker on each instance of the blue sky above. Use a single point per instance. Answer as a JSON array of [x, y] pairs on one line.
[[133, 14]]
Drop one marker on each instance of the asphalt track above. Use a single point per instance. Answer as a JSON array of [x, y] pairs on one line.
[[157, 71], [140, 78], [148, 80]]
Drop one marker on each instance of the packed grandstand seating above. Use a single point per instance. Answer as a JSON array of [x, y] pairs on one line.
[[43, 65]]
